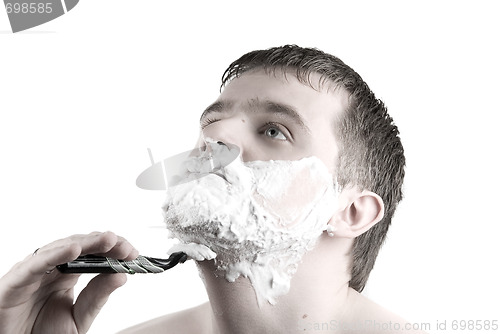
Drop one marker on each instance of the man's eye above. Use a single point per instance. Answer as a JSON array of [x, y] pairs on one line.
[[275, 133], [207, 121]]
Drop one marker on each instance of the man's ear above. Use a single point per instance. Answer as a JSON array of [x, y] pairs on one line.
[[359, 211]]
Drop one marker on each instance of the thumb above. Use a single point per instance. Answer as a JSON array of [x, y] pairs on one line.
[[91, 300]]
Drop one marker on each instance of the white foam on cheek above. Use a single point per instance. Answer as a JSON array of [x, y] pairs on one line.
[[194, 251], [259, 222]]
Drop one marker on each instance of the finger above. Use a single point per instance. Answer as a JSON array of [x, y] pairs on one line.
[[99, 243], [91, 300], [33, 268], [107, 244], [76, 238], [123, 250]]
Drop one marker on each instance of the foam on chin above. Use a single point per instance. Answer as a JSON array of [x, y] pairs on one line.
[[258, 217]]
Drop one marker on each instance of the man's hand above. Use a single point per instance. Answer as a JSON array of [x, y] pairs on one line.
[[35, 298]]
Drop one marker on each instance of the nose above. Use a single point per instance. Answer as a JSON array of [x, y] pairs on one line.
[[230, 152], [227, 132], [219, 155]]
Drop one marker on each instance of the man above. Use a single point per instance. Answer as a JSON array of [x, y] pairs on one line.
[[285, 103]]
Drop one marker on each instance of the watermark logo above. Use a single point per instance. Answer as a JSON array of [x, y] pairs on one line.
[[26, 14], [360, 326]]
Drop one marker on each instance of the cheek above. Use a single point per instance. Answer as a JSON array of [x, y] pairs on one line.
[[327, 151], [254, 152]]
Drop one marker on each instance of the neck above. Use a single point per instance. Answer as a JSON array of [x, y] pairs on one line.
[[319, 292]]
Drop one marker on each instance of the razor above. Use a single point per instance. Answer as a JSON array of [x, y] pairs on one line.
[[94, 264]]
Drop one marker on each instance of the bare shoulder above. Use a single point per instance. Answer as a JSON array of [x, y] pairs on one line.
[[195, 320], [373, 318]]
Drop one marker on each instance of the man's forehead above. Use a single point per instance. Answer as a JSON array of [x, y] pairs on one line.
[[250, 104], [310, 79], [285, 88], [289, 79]]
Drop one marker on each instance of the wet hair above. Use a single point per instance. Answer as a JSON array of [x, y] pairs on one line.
[[371, 154]]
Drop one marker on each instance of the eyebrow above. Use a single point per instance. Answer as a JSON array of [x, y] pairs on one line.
[[278, 108], [218, 106]]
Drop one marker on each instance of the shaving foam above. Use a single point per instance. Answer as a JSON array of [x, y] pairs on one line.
[[259, 218]]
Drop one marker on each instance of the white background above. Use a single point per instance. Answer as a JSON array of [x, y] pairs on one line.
[[83, 96]]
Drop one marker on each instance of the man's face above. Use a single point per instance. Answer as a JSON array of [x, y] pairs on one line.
[[261, 217], [270, 117]]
